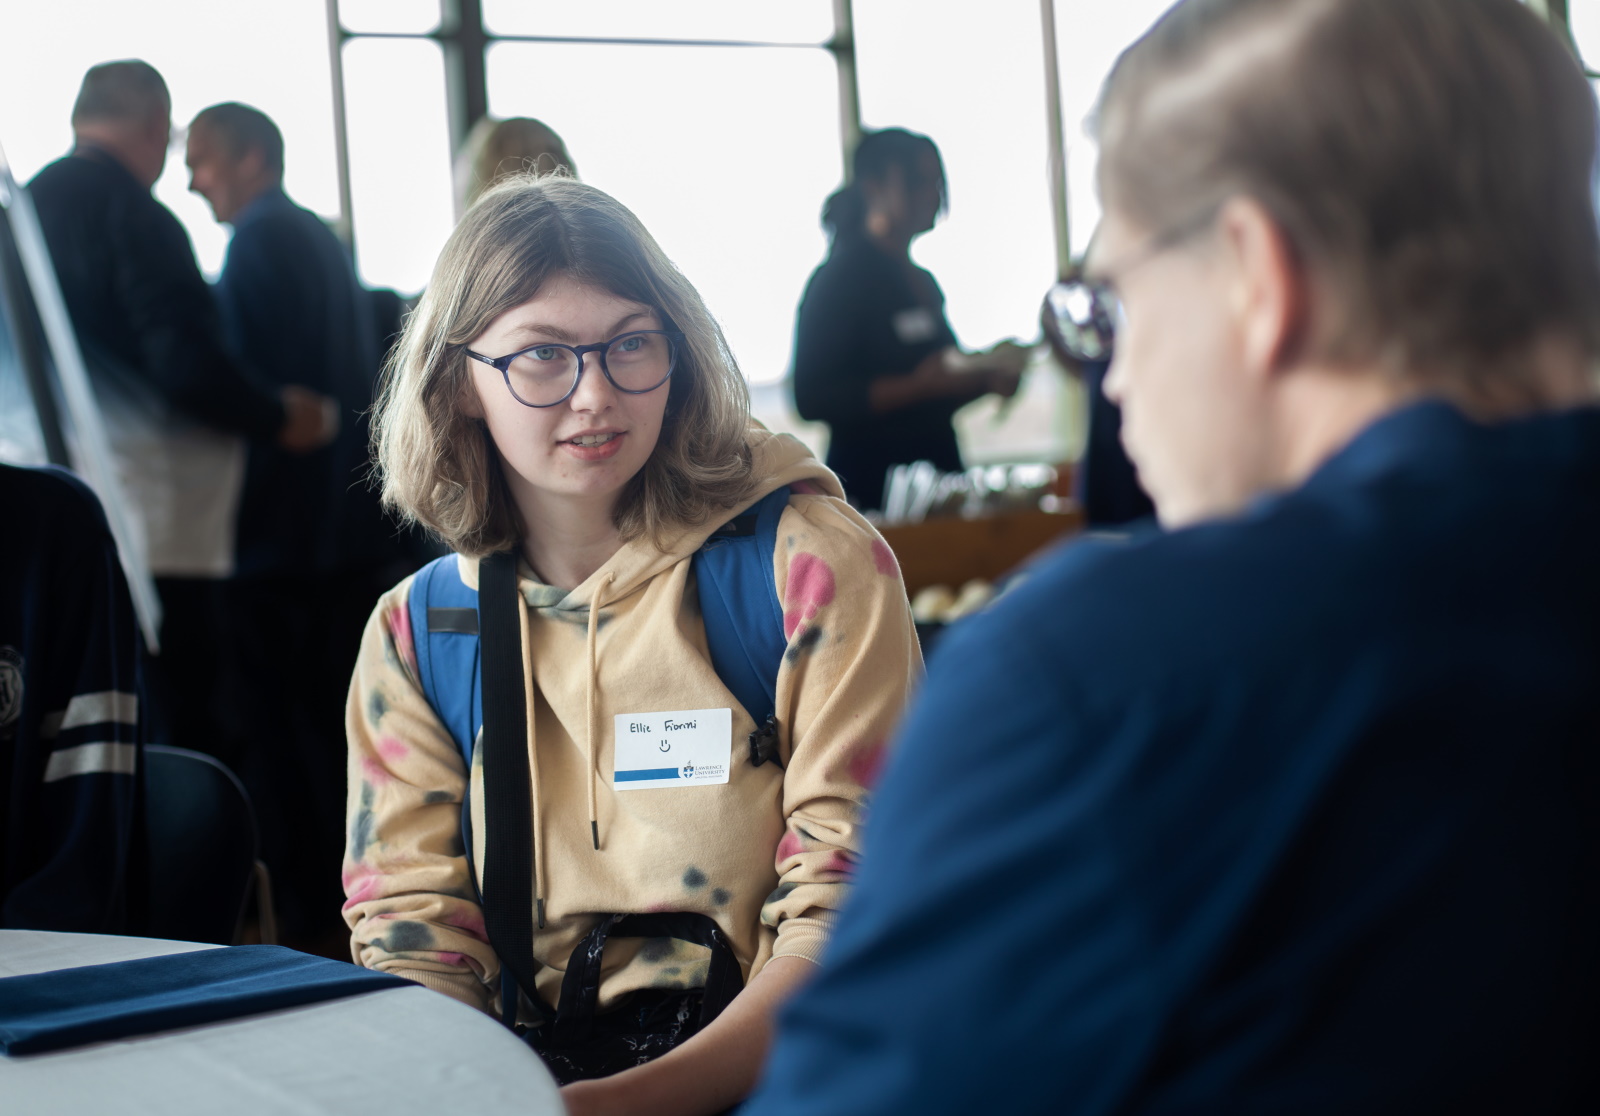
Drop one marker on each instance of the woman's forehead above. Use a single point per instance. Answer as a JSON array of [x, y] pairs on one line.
[[572, 312]]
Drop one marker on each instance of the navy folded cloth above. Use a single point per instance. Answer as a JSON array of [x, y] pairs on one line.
[[93, 1003]]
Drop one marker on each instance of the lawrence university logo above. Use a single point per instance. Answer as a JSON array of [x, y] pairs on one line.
[[686, 771]]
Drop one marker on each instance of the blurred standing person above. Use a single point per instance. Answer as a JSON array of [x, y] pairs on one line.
[[874, 355], [496, 148], [1106, 483], [176, 405], [310, 531]]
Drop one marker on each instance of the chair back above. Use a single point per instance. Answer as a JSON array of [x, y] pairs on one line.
[[202, 846]]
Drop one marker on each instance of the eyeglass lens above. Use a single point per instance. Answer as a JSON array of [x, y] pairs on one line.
[[1086, 317], [635, 362]]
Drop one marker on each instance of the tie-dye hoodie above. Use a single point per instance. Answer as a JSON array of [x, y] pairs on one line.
[[768, 854]]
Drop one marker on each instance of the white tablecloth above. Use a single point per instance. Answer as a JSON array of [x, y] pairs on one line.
[[403, 1050]]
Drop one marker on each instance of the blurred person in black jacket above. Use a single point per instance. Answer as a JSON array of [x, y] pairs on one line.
[[312, 541], [874, 355], [178, 408]]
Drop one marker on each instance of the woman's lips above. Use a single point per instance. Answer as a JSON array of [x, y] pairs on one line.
[[600, 452]]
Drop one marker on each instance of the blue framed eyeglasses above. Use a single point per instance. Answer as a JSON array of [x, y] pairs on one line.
[[546, 374]]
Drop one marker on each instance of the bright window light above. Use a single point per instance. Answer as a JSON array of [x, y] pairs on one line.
[[1584, 16], [724, 153], [208, 52], [399, 159], [792, 21], [394, 17], [972, 78], [1090, 35]]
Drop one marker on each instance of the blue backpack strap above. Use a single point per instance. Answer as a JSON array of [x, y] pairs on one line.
[[739, 600], [444, 629]]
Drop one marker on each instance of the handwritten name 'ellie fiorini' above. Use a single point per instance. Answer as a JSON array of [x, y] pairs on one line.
[[669, 726]]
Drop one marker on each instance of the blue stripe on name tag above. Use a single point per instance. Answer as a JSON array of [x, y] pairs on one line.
[[645, 773]]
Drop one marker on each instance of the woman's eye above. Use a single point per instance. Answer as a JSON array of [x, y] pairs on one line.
[[630, 344], [549, 352]]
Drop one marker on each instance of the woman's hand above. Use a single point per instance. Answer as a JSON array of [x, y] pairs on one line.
[[1002, 382], [595, 1098], [999, 367]]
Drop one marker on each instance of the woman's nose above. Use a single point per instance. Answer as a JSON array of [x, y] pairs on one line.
[[594, 391]]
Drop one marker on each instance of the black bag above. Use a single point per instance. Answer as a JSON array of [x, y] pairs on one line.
[[575, 1041], [578, 1044]]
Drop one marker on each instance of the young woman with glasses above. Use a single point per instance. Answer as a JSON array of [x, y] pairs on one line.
[[563, 400], [874, 356]]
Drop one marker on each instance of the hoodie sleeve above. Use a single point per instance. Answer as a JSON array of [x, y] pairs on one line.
[[852, 662], [411, 904]]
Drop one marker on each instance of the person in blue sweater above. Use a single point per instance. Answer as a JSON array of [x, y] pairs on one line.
[[1292, 807], [313, 545]]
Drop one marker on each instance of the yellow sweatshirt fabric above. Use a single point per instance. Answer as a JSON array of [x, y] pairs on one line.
[[768, 855]]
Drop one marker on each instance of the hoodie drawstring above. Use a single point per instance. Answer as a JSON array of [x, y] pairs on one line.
[[589, 734], [533, 762]]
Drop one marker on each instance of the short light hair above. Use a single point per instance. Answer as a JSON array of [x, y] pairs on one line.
[[129, 90], [439, 467], [1431, 162], [497, 148], [239, 129]]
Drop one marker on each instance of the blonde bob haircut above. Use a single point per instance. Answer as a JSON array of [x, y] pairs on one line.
[[439, 468]]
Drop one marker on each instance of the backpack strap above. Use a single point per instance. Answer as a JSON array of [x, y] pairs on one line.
[[507, 895], [739, 600], [444, 631], [461, 634]]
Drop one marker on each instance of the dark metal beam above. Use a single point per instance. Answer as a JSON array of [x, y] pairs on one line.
[[466, 87], [600, 40], [843, 47], [345, 225]]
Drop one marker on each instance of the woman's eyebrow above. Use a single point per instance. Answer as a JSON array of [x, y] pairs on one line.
[[556, 333], [628, 318]]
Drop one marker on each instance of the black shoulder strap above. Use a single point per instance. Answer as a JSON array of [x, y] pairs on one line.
[[507, 790]]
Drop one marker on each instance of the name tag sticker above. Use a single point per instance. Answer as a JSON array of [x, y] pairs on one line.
[[688, 748], [915, 326]]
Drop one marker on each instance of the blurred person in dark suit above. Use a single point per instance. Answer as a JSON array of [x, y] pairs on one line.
[[311, 539], [179, 410]]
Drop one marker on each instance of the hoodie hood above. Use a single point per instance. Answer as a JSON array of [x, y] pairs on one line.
[[776, 460], [566, 681], [767, 854]]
